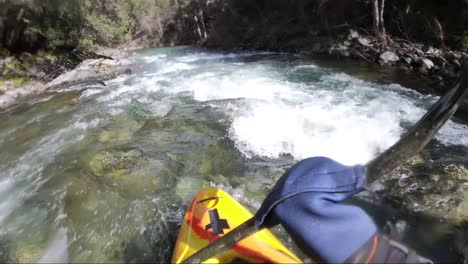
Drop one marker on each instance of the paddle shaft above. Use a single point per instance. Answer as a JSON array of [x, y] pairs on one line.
[[408, 146]]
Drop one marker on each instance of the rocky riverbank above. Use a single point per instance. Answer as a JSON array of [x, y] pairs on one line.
[[33, 73], [440, 65]]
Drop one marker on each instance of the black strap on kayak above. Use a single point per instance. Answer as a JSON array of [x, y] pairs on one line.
[[216, 224], [408, 146]]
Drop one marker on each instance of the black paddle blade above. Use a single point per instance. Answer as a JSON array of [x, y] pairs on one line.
[[421, 133]]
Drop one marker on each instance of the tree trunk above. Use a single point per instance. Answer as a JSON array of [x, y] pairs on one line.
[[383, 34], [378, 21], [381, 17], [198, 27], [440, 30], [375, 17], [203, 24], [17, 31]]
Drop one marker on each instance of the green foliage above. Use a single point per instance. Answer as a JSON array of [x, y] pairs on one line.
[[50, 24], [465, 42]]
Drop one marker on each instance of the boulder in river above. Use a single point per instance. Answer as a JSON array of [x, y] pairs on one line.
[[389, 56], [426, 63], [89, 69], [340, 50]]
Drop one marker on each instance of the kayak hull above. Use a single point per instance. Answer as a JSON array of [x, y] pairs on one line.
[[214, 213]]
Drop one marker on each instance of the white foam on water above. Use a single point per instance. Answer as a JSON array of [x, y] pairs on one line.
[[153, 58], [340, 116], [114, 94], [453, 134], [175, 66], [306, 66], [342, 132], [90, 92], [219, 56], [231, 88], [350, 123], [6, 185]]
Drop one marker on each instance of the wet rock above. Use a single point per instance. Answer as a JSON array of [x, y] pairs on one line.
[[438, 60], [464, 55], [407, 60], [340, 50], [389, 57], [433, 51], [116, 54], [418, 52], [353, 34], [363, 41], [450, 55], [220, 159], [90, 69], [456, 63], [426, 63]]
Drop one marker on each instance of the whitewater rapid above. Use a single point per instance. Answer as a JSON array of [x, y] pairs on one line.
[[104, 173], [336, 115]]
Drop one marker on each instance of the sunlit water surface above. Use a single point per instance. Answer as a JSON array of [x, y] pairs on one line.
[[105, 173]]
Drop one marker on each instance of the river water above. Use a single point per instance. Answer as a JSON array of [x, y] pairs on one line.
[[105, 173]]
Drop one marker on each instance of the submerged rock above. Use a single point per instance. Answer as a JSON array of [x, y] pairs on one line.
[[110, 164], [7, 250], [188, 187], [29, 254], [439, 191]]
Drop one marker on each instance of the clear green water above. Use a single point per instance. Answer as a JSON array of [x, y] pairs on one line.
[[104, 173]]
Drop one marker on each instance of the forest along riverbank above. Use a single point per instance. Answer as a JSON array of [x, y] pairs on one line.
[[104, 173]]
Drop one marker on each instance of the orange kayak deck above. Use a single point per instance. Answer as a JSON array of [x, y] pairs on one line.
[[214, 213]]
